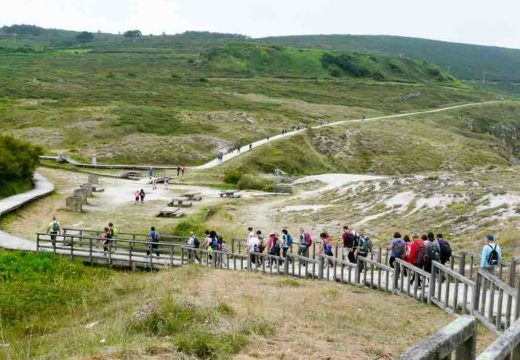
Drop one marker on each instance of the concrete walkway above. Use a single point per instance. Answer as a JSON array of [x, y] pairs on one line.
[[42, 187]]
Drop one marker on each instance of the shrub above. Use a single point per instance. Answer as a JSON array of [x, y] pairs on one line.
[[255, 182], [203, 80], [232, 177]]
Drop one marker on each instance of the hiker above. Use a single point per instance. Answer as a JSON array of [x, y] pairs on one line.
[[54, 229], [326, 247], [183, 169], [141, 195], [221, 247], [260, 247], [491, 255], [274, 248], [252, 247], [305, 243], [418, 256], [445, 249], [433, 249], [114, 232], [178, 170], [350, 244], [106, 236], [194, 243], [408, 244], [154, 183], [250, 147], [137, 197], [287, 241], [267, 137], [153, 239], [398, 248], [364, 248]]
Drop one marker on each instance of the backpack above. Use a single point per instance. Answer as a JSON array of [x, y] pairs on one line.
[[213, 243], [493, 256], [365, 245], [289, 240], [422, 256], [308, 239], [115, 232], [156, 236], [327, 247], [433, 252], [196, 242], [356, 239], [445, 250], [55, 227], [400, 248]]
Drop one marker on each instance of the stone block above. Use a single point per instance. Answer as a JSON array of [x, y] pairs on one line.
[[74, 204], [88, 187], [82, 194], [93, 179]]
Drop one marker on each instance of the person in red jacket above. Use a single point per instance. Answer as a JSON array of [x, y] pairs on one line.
[[418, 254]]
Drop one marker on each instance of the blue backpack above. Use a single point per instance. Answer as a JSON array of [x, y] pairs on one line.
[[289, 240], [214, 242]]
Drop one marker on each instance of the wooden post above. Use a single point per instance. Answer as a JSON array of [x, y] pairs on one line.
[[468, 350], [286, 265], [90, 251], [517, 310], [431, 289], [71, 247], [397, 273], [320, 268], [512, 272], [476, 295], [357, 273], [462, 264]]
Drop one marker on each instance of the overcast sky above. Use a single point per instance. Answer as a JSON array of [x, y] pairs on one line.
[[470, 21]]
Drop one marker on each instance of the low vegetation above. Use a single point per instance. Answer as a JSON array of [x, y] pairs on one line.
[[59, 308], [18, 159]]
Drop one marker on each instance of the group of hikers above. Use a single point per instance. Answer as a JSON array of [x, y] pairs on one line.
[[418, 250], [139, 196]]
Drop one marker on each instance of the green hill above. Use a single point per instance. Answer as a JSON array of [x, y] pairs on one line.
[[269, 60], [464, 60]]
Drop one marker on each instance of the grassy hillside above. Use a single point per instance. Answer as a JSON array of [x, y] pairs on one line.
[[52, 307], [144, 101], [251, 60], [456, 140], [464, 61]]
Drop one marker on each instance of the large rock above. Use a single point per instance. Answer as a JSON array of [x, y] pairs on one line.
[[88, 187], [93, 179]]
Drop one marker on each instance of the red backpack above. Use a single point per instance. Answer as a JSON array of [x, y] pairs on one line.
[[308, 239]]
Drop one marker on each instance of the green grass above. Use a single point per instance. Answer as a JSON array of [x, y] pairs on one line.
[[143, 101]]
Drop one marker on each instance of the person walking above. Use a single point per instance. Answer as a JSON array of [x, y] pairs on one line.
[[178, 170], [153, 239], [491, 254], [397, 248], [274, 248], [433, 250], [137, 197], [364, 248], [142, 195], [193, 242], [418, 256], [183, 169], [107, 240], [287, 241], [326, 247], [252, 247], [54, 229], [445, 249], [350, 243]]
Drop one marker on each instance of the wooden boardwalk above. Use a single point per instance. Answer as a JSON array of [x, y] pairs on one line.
[[459, 288]]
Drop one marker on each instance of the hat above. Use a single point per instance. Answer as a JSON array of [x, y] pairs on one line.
[[490, 237]]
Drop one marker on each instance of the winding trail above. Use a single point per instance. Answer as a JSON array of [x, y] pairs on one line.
[[245, 149], [42, 187]]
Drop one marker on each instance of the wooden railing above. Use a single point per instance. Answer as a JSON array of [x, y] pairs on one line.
[[412, 281], [378, 271], [484, 301], [507, 346], [459, 337], [447, 298]]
